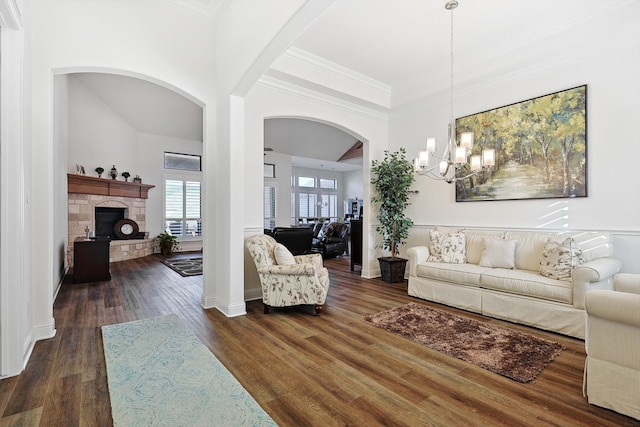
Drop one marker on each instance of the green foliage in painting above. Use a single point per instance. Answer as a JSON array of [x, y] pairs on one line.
[[540, 142], [392, 178]]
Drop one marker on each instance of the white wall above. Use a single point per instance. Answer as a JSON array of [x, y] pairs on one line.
[[60, 200], [16, 327], [353, 184], [608, 61], [69, 36]]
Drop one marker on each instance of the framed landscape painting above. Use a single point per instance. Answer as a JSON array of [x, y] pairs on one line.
[[540, 149]]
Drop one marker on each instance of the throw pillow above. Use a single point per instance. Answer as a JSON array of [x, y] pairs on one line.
[[560, 258], [283, 256], [447, 247], [498, 253]]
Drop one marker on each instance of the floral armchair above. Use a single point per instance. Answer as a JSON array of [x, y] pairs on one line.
[[305, 282]]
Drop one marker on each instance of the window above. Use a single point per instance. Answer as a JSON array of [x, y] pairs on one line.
[[269, 170], [307, 182], [187, 162], [269, 207], [182, 207], [307, 205], [331, 184], [314, 197]]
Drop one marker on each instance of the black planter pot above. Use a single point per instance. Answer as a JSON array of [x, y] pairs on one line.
[[392, 269]]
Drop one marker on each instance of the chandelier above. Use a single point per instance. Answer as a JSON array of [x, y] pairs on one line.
[[456, 162]]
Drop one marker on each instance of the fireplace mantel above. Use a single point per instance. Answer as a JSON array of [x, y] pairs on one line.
[[83, 184]]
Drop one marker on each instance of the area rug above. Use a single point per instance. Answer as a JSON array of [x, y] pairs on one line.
[[515, 355], [185, 266], [160, 374]]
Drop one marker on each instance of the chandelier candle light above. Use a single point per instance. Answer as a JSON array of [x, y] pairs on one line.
[[455, 164]]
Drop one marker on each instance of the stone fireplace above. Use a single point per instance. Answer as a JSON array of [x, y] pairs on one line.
[[86, 194]]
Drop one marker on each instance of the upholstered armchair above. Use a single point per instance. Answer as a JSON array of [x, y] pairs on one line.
[[612, 368], [288, 280]]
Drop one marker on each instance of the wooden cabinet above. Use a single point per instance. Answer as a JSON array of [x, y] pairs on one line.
[[356, 243], [91, 260]]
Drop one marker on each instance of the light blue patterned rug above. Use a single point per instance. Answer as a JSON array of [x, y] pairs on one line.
[[160, 374]]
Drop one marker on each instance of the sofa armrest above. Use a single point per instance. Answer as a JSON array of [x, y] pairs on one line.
[[416, 254], [627, 282], [289, 270], [595, 274], [315, 259], [619, 307]]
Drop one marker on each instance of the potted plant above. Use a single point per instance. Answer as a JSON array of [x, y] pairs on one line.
[[99, 171], [392, 178], [167, 242], [126, 175]]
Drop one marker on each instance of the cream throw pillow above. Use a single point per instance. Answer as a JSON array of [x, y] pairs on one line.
[[283, 255], [560, 258], [447, 247], [498, 253]]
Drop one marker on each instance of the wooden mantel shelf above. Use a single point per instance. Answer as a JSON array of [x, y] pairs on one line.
[[83, 184]]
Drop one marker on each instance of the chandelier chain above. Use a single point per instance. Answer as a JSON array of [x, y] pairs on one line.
[[451, 70]]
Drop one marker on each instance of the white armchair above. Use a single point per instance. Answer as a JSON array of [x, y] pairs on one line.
[[612, 368], [305, 282]]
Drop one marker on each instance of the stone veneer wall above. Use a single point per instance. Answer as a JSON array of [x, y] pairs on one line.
[[81, 215]]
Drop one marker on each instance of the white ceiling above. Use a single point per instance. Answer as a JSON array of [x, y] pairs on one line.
[[147, 107], [401, 48], [312, 144]]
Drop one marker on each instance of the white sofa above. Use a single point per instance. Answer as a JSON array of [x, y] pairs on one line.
[[479, 280], [612, 367]]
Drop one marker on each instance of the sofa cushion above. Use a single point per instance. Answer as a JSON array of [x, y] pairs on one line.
[[527, 283], [498, 253], [447, 247], [462, 274], [560, 258], [474, 245], [282, 255], [529, 248]]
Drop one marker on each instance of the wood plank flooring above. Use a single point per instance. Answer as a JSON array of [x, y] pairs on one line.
[[333, 370]]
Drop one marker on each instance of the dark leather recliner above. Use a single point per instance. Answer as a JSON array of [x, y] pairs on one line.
[[331, 239], [297, 240]]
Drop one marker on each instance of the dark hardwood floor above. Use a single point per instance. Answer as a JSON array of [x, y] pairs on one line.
[[304, 370]]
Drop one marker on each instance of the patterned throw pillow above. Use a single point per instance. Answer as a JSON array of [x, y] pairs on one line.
[[560, 258], [447, 247]]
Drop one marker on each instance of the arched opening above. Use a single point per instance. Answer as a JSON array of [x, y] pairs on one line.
[[317, 174], [104, 119]]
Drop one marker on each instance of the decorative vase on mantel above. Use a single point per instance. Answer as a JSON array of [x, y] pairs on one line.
[[114, 172]]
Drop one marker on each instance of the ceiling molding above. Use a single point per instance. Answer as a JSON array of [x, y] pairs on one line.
[[10, 16], [210, 9], [301, 92], [310, 67]]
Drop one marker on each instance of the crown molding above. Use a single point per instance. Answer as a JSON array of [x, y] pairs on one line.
[[210, 9], [10, 16], [308, 66], [283, 86]]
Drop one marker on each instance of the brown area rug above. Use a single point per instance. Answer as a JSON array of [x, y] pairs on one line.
[[515, 355], [185, 266]]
